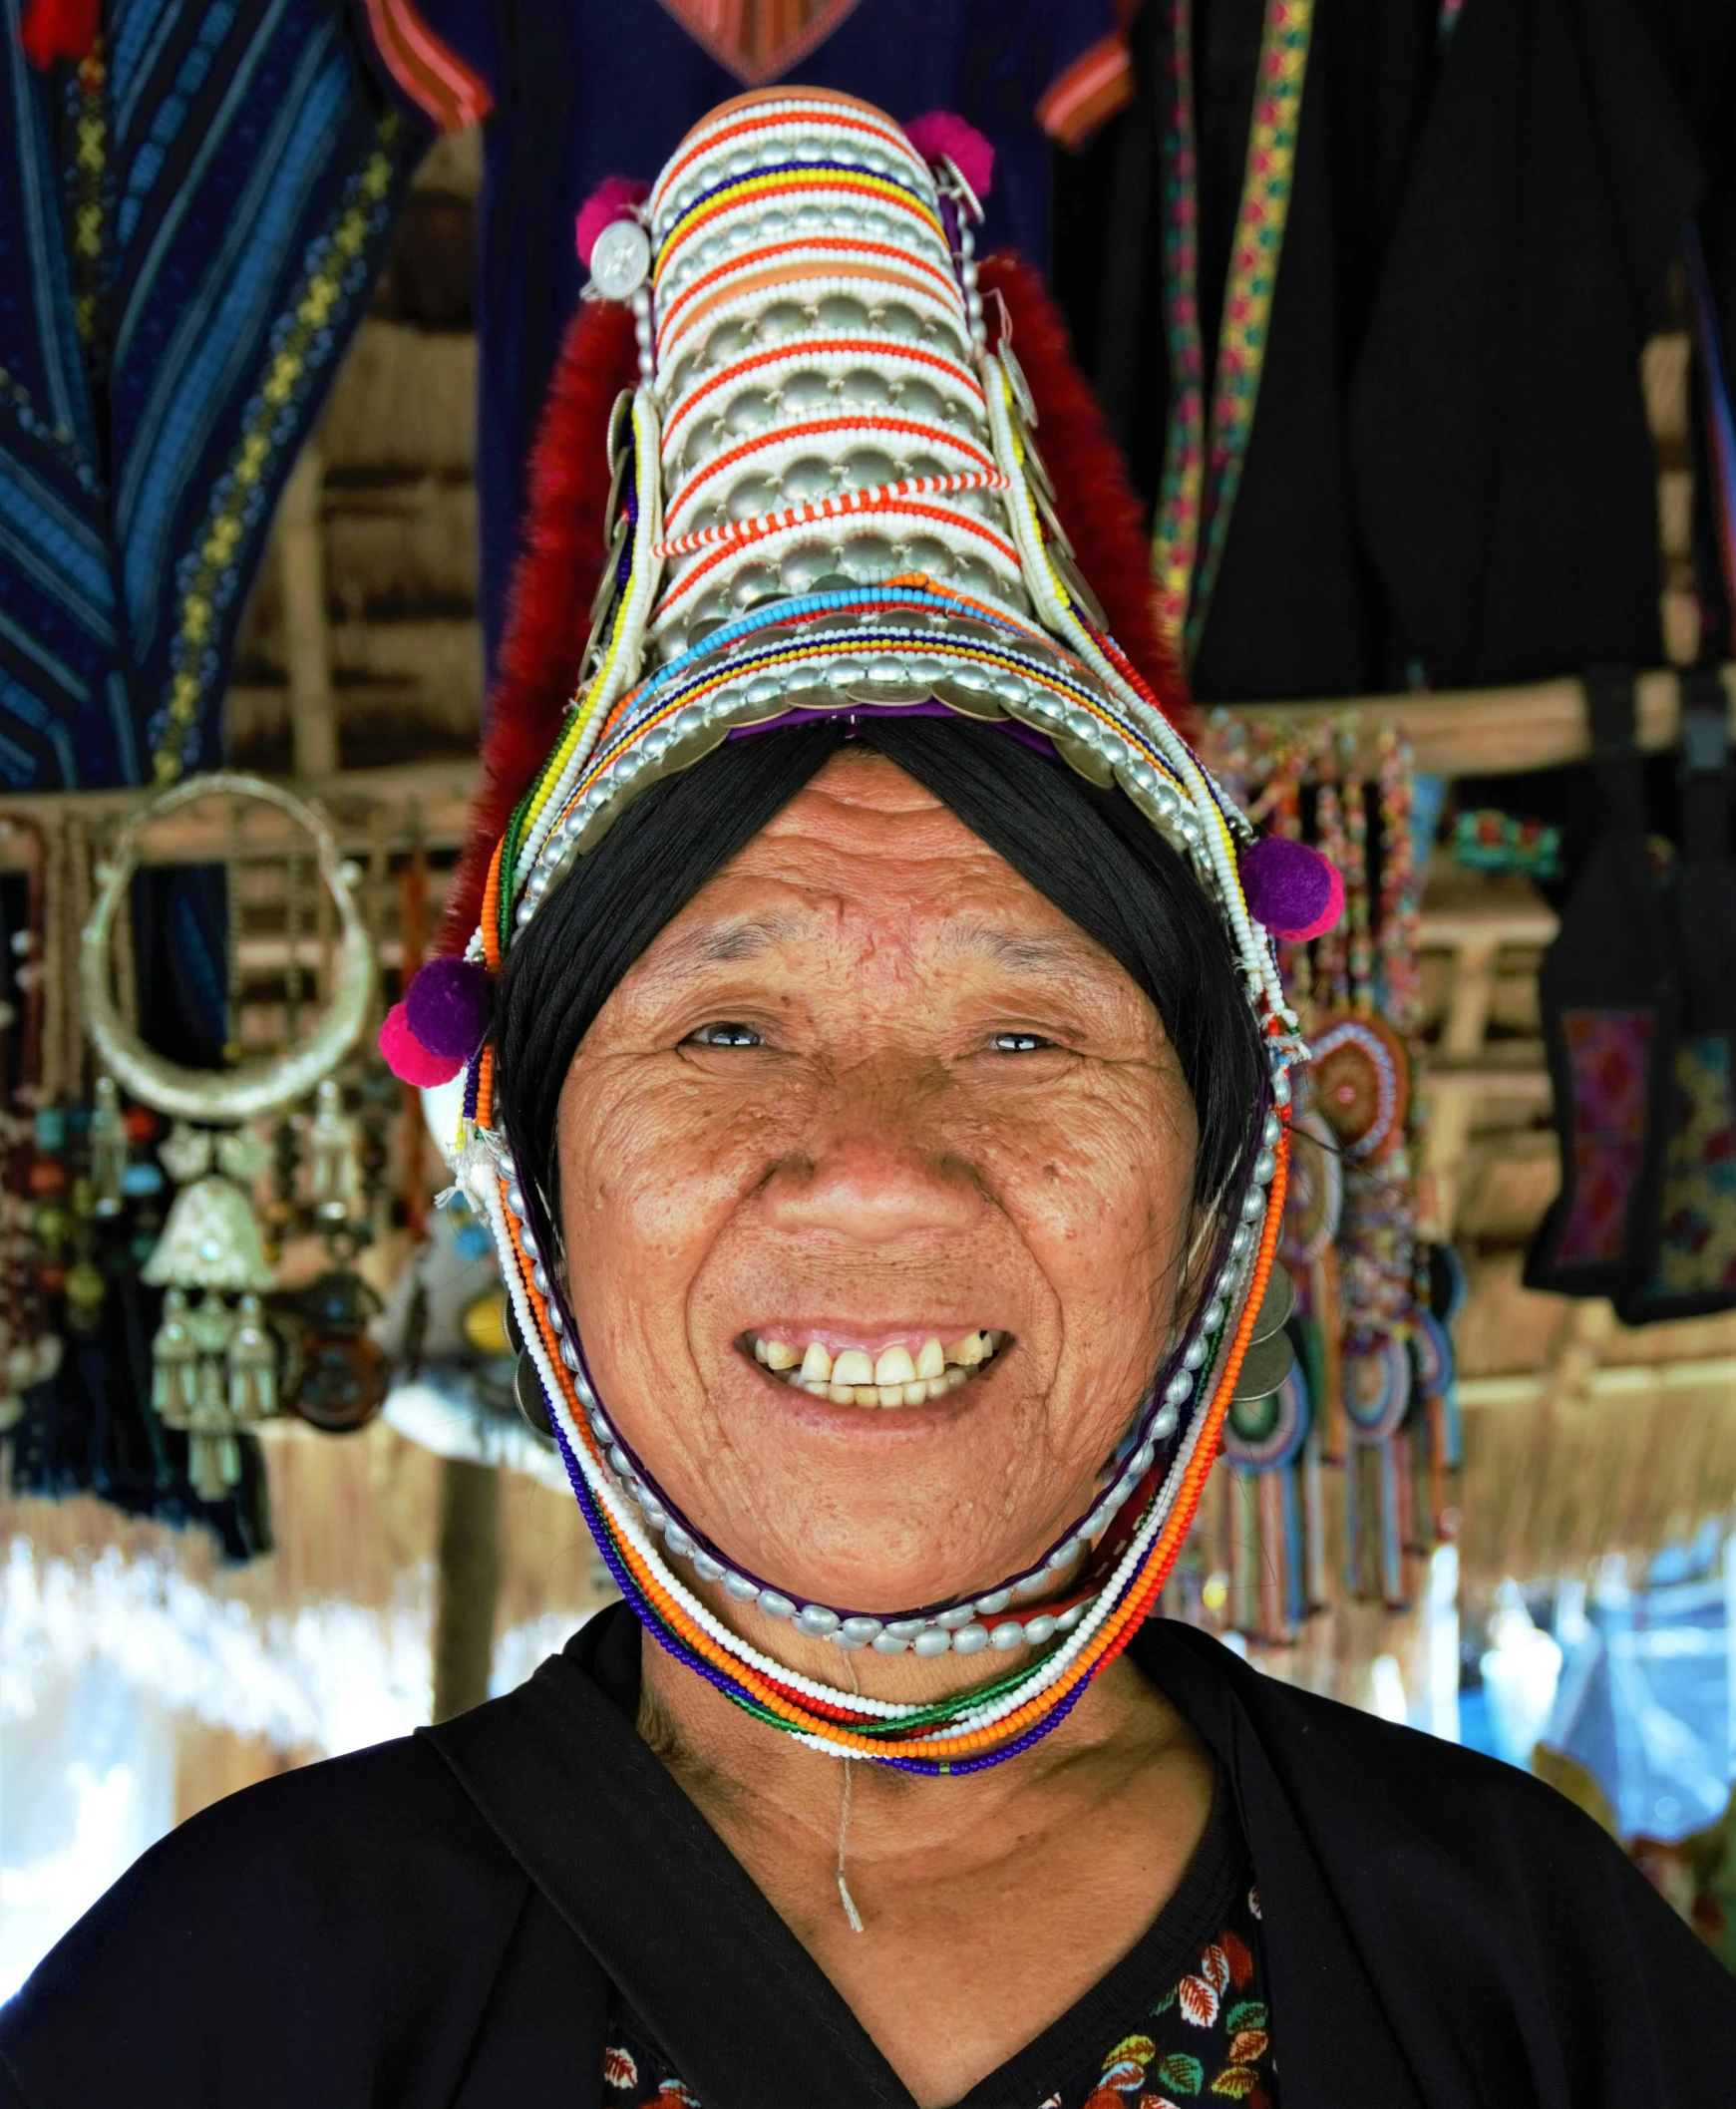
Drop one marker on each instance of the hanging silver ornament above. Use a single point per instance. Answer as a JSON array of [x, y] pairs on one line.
[[252, 1358], [109, 1150], [173, 1364], [210, 1241], [334, 1167]]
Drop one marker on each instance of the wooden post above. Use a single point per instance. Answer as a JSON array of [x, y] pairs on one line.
[[313, 718], [468, 1583]]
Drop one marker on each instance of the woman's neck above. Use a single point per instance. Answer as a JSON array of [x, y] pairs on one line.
[[739, 1770], [955, 1916]]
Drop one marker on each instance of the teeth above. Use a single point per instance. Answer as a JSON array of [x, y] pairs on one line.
[[894, 1379]]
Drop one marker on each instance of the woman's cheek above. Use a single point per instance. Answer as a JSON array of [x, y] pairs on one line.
[[653, 1165]]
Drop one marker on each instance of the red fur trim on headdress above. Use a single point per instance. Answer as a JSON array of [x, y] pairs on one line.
[[552, 586], [1094, 497]]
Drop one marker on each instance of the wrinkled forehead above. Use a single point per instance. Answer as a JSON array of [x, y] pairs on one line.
[[865, 864]]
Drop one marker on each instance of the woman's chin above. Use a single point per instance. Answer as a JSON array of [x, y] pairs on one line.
[[882, 1567]]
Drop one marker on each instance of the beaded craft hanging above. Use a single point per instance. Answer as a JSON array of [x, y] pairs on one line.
[[1369, 1438]]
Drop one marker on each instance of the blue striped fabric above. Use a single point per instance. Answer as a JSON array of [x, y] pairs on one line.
[[189, 227]]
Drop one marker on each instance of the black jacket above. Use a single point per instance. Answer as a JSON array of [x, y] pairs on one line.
[[1440, 1930]]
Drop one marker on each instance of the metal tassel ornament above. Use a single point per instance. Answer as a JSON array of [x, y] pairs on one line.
[[173, 1364], [252, 1356], [109, 1150]]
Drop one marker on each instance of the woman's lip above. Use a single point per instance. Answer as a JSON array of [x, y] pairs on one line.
[[806, 1409], [873, 1342]]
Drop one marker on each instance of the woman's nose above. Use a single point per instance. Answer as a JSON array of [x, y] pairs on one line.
[[877, 1164]]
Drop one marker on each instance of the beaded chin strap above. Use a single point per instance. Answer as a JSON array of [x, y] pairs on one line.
[[828, 501]]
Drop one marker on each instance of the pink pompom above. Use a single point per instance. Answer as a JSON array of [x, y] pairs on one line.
[[409, 1061], [942, 134], [1295, 890], [613, 199], [447, 1006]]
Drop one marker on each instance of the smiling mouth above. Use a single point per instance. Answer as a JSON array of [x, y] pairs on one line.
[[904, 1370]]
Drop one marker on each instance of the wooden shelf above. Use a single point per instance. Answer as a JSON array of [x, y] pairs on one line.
[[1488, 731]]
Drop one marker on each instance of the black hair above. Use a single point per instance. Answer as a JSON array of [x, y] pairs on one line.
[[1089, 851]]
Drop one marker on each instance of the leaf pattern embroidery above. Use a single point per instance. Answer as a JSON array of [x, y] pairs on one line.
[[1197, 2000], [1235, 2081]]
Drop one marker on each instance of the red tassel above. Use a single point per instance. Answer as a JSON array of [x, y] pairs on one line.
[[550, 616], [59, 29], [1093, 495]]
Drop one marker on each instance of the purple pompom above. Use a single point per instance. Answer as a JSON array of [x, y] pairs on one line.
[[1295, 890], [447, 1006]]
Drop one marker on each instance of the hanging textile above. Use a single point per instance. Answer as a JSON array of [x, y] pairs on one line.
[[192, 214], [1611, 997], [1209, 432], [1694, 1271], [1405, 509], [552, 79]]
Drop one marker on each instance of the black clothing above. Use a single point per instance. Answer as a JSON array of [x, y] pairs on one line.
[[1187, 2007], [1450, 480], [1438, 1928]]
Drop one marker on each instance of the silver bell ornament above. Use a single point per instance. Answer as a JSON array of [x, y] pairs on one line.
[[216, 1362]]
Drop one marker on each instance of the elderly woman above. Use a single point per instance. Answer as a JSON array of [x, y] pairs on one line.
[[877, 1078]]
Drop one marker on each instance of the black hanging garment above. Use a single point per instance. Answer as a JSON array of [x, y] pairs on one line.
[[1611, 1002], [1449, 479], [1693, 1269], [436, 1924]]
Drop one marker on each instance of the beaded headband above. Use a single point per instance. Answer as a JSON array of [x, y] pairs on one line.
[[827, 500]]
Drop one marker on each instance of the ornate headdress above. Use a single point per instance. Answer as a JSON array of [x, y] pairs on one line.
[[822, 497]]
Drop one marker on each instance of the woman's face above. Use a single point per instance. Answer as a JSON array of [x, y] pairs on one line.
[[875, 1178]]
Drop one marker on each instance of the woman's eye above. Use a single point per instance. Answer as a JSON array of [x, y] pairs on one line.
[[725, 1033], [1019, 1043]]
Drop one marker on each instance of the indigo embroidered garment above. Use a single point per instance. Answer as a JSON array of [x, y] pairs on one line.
[[190, 219], [578, 90]]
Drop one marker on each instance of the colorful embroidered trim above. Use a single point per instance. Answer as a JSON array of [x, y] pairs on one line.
[[336, 272], [1204, 457]]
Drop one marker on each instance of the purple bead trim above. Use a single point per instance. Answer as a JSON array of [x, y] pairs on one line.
[[1027, 735]]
